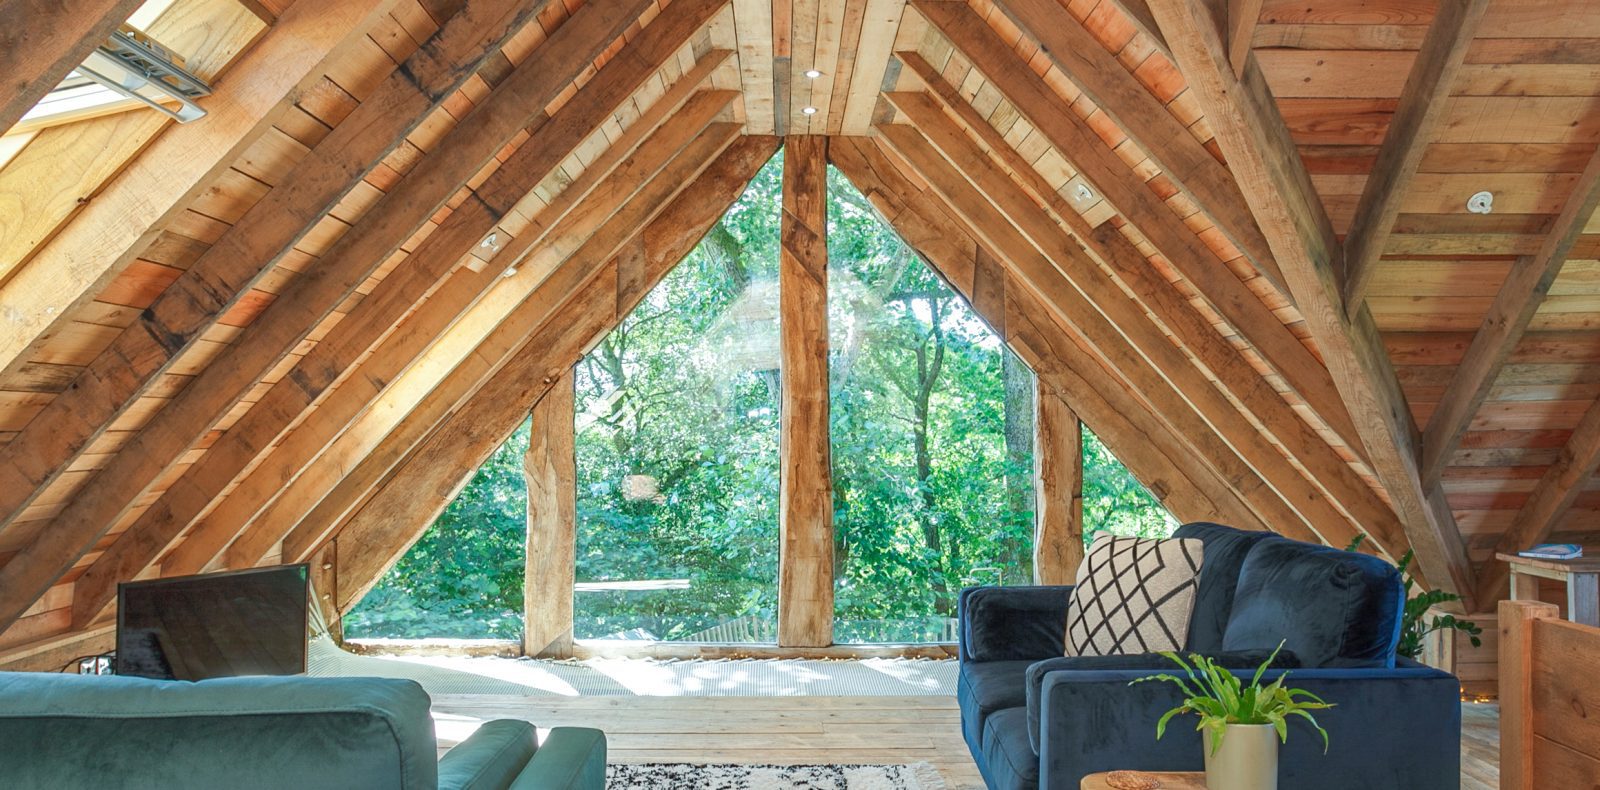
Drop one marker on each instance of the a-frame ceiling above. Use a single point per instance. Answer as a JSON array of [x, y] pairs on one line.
[[1233, 240]]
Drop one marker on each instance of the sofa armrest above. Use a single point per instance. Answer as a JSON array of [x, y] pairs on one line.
[[1013, 623], [490, 758], [1389, 728], [572, 758]]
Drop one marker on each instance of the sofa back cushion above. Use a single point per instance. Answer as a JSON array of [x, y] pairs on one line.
[[236, 733], [1333, 608], [1226, 548]]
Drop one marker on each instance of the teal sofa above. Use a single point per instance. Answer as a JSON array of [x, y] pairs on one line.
[[106, 733]]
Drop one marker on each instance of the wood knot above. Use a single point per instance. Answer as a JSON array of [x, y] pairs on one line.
[[1131, 780]]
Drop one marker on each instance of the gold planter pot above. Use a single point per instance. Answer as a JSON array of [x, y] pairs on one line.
[[1247, 759]]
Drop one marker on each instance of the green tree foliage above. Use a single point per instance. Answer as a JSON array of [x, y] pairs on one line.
[[463, 577], [677, 458]]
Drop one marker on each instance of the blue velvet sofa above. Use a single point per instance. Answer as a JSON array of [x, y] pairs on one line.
[[1035, 719], [80, 731]]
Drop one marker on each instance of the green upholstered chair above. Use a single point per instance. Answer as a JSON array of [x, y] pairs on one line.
[[101, 732]]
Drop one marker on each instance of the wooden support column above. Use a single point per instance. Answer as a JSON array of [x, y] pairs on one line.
[[1516, 689], [1058, 461], [325, 586], [805, 488], [550, 467]]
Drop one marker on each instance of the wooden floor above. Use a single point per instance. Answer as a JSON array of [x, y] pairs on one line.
[[809, 730]]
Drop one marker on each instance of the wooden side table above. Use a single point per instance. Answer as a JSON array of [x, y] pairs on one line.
[[1582, 577], [1168, 781]]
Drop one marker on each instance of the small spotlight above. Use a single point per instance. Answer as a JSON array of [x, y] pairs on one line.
[[491, 243], [813, 74], [1085, 193], [1481, 203], [809, 110]]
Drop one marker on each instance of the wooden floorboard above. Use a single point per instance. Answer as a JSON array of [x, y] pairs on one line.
[[811, 730]]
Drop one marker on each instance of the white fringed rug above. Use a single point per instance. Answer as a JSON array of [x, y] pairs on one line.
[[679, 776]]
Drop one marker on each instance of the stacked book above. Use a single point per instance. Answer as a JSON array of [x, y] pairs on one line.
[[1553, 551]]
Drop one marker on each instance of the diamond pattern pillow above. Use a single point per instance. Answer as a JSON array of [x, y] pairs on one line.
[[1133, 595]]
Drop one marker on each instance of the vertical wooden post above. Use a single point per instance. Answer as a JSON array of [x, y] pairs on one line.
[[1516, 690], [551, 471], [325, 588], [805, 487], [1058, 465]]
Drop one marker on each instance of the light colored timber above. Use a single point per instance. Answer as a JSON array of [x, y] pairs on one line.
[[42, 40], [1168, 468], [197, 299], [1173, 309], [669, 159], [1102, 168], [1273, 178], [427, 480], [1517, 619], [1058, 499], [130, 211], [1243, 18], [1127, 315], [274, 497], [1412, 129], [1514, 306], [1141, 116], [805, 482], [989, 215], [549, 468], [1550, 500], [378, 316]]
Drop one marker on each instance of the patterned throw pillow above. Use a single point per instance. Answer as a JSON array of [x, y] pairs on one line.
[[1134, 595]]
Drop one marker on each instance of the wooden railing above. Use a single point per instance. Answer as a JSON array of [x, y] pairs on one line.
[[1549, 699]]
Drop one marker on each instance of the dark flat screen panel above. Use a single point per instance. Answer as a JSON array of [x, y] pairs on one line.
[[214, 625]]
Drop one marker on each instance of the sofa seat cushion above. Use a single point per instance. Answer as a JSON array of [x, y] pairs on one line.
[[984, 687], [1009, 761], [1332, 608], [1226, 548], [1155, 662]]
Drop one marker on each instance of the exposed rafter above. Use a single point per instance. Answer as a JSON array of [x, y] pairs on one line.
[[372, 322], [423, 484], [1513, 308], [1141, 116], [1072, 137], [1275, 182], [1411, 130]]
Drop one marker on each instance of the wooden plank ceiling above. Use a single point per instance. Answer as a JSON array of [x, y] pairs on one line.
[[287, 330]]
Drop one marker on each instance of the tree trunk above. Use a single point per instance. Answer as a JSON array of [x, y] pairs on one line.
[[1019, 415]]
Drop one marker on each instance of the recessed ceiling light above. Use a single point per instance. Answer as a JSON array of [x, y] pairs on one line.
[[809, 110], [813, 73], [1481, 203]]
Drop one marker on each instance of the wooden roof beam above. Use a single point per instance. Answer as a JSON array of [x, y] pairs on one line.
[[1551, 498], [1110, 322], [1173, 309], [1411, 130], [572, 259], [424, 484], [1329, 472], [375, 318], [41, 41], [1508, 317], [257, 513], [1170, 470], [130, 210], [1071, 136], [1141, 116], [195, 301], [1275, 182]]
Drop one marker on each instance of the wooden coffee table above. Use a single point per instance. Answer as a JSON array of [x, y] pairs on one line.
[[1169, 781]]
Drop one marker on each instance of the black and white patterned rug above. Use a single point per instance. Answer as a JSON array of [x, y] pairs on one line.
[[679, 776]]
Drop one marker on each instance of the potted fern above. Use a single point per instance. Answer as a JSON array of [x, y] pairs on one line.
[[1241, 725]]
